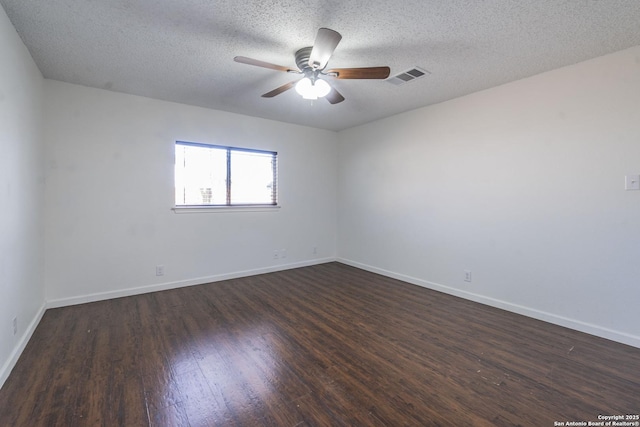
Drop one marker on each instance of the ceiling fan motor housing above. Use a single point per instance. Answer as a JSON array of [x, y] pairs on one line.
[[302, 59]]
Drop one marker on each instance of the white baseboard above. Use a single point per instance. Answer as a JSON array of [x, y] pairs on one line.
[[577, 325], [22, 343], [100, 296]]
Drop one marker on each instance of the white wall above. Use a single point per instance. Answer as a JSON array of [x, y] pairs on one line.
[[522, 184], [109, 162], [21, 195]]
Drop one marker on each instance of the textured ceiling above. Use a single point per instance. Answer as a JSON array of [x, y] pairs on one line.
[[183, 51]]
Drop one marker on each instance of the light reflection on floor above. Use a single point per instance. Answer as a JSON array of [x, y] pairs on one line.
[[243, 365]]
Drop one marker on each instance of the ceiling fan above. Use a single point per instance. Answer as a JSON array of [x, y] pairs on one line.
[[311, 62]]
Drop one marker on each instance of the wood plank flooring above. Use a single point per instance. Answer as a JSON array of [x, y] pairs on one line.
[[327, 345]]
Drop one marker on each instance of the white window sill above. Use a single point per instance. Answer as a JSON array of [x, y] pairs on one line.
[[219, 209]]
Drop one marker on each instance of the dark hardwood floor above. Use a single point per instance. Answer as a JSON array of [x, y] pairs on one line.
[[327, 345]]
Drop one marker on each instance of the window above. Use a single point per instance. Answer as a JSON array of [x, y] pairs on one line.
[[212, 175]]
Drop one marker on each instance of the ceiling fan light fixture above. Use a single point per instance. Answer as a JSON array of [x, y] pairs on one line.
[[322, 88], [311, 62], [312, 90], [305, 88]]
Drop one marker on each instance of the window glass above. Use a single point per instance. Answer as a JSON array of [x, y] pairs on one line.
[[211, 175], [251, 177]]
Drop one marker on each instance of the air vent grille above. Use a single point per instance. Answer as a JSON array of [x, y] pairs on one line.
[[408, 76]]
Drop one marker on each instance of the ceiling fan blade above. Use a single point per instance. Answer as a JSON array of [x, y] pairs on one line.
[[257, 63], [360, 73], [279, 90], [334, 96], [323, 47]]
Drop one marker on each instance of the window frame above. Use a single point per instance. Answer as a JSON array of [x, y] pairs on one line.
[[228, 206]]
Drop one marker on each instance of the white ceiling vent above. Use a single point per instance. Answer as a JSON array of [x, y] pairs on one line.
[[408, 76]]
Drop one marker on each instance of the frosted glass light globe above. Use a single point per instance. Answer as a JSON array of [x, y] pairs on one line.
[[310, 90], [305, 88], [322, 88]]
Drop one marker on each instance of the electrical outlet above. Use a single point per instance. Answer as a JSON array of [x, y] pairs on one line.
[[276, 255], [467, 275], [159, 270], [14, 324], [315, 250]]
